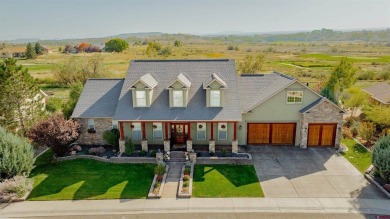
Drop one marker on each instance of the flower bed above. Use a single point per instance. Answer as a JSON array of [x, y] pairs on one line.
[[157, 187], [16, 189], [185, 183]]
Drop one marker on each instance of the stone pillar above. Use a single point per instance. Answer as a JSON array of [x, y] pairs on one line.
[[159, 157], [121, 146], [167, 145], [144, 145], [189, 145], [212, 146], [339, 130], [304, 134], [193, 157], [235, 146]]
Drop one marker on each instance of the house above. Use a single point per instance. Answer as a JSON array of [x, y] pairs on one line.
[[206, 103], [10, 52], [379, 93]]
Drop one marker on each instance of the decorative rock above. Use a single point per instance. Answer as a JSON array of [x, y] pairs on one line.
[[167, 145], [98, 151], [159, 157], [387, 187], [77, 148]]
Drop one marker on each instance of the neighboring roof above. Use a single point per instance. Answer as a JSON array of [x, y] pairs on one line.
[[165, 72], [254, 89], [318, 102], [183, 80], [214, 77], [380, 92], [147, 80], [98, 99], [14, 49]]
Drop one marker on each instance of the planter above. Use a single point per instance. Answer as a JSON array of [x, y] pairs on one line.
[[160, 191], [181, 193], [8, 199]]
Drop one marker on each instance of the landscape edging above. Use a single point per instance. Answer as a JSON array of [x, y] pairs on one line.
[[189, 194], [150, 194], [111, 159]]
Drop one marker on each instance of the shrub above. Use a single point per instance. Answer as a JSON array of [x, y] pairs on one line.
[[16, 155], [366, 131], [381, 157], [186, 178], [129, 147], [230, 47], [97, 151], [368, 75], [224, 152], [17, 186], [56, 133], [153, 153], [212, 154], [187, 170], [160, 170], [166, 51], [157, 185], [116, 45], [54, 104], [112, 137], [347, 133], [354, 128], [143, 153], [186, 184]]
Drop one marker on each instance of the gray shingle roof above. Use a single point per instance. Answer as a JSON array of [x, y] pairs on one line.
[[147, 80], [165, 72], [313, 104], [257, 88], [380, 92], [98, 98]]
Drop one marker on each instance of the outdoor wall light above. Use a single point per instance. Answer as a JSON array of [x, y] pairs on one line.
[[240, 127]]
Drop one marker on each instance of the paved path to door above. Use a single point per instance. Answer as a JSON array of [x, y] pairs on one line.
[[316, 172]]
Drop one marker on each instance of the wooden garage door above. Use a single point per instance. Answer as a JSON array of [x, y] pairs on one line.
[[321, 134], [271, 133]]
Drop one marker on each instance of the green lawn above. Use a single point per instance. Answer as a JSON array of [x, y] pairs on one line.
[[44, 158], [226, 181], [90, 179], [357, 155]]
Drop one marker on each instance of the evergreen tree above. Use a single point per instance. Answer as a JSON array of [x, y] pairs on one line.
[[30, 52], [20, 99], [38, 49]]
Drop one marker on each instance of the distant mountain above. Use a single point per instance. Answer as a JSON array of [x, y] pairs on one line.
[[140, 35]]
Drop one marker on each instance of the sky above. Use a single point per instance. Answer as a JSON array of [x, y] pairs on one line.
[[60, 19]]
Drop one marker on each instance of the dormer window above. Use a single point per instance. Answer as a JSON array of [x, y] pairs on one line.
[[178, 98], [215, 98], [140, 97]]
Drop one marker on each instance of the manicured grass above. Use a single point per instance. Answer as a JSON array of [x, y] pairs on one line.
[[226, 181], [357, 155], [90, 179], [44, 158]]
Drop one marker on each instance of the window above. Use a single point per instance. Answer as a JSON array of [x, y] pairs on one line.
[[201, 131], [137, 133], [140, 96], [114, 124], [215, 98], [91, 124], [294, 96], [222, 131], [157, 131], [177, 98]]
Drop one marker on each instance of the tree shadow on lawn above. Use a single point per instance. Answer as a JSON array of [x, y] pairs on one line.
[[89, 179], [239, 175]]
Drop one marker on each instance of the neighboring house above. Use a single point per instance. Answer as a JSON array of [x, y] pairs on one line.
[[205, 102], [379, 93], [10, 52]]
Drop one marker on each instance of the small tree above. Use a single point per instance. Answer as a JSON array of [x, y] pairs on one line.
[[16, 155], [342, 77], [380, 115], [54, 104], [153, 48], [116, 45], [366, 131], [329, 93], [166, 51], [38, 49], [381, 157], [75, 92], [251, 64], [177, 43], [56, 133], [112, 137], [354, 98], [30, 52]]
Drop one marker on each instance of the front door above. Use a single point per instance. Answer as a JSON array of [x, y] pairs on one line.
[[178, 132]]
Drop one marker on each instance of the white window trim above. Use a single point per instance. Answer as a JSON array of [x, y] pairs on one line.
[[222, 130], [204, 128], [136, 125], [91, 122], [219, 104], [182, 98], [294, 98], [136, 98], [159, 124]]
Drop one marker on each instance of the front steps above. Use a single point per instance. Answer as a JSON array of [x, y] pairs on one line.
[[177, 157], [172, 180]]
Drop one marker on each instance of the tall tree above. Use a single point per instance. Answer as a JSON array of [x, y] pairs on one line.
[[38, 49], [116, 45], [30, 52], [74, 95], [20, 99], [342, 77]]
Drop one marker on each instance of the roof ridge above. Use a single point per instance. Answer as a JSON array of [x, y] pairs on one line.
[[283, 75]]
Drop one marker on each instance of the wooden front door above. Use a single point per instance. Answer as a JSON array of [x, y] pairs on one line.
[[178, 132], [271, 133], [321, 135]]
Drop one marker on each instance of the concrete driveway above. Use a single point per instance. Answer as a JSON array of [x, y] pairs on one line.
[[286, 171]]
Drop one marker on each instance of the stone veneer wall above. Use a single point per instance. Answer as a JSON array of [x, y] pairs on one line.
[[325, 112], [101, 125]]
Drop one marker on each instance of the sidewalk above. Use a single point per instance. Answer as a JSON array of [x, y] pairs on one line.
[[172, 205]]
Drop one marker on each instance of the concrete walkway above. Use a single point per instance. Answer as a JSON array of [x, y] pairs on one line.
[[172, 181], [312, 173], [172, 205]]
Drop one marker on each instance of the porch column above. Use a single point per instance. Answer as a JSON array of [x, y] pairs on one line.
[[189, 141], [167, 142], [235, 142], [211, 141], [144, 142], [122, 139]]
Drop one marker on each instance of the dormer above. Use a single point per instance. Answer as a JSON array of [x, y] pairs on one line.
[[214, 91], [142, 91], [178, 91]]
